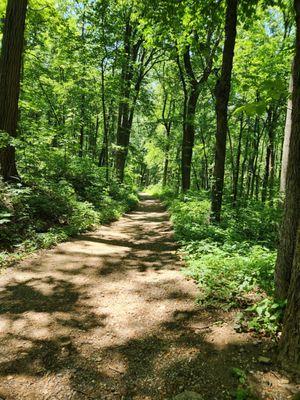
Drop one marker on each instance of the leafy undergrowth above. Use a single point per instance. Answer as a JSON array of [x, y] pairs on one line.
[[46, 210], [233, 262]]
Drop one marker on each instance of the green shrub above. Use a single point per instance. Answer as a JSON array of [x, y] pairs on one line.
[[14, 217], [83, 217], [57, 200], [226, 274], [232, 262], [52, 202], [256, 222], [190, 218], [264, 316]]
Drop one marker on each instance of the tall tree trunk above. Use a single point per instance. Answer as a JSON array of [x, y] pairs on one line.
[[255, 175], [266, 174], [245, 159], [268, 182], [167, 121], [286, 142], [188, 139], [250, 169], [129, 94], [104, 155], [222, 98], [81, 132], [205, 162], [10, 76], [272, 170], [166, 170], [95, 138], [123, 132], [191, 88], [290, 339], [237, 164], [231, 145], [196, 176], [167, 151], [291, 215], [82, 104], [123, 136]]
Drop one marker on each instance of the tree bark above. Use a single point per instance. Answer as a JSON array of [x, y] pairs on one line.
[[253, 158], [222, 98], [255, 170], [81, 131], [104, 154], [245, 159], [290, 339], [191, 88], [123, 118], [237, 164], [167, 121], [134, 69], [188, 138], [286, 142], [166, 170], [82, 101], [291, 215], [205, 163], [268, 181], [10, 76]]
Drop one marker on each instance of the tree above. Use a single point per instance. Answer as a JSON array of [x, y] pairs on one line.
[[290, 340], [197, 48], [291, 217], [137, 61], [286, 143], [167, 116], [237, 164], [10, 77], [268, 180], [259, 91], [222, 92], [191, 88]]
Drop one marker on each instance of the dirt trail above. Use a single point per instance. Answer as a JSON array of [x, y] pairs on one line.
[[109, 315]]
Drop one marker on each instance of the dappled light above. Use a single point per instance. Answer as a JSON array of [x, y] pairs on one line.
[[149, 200], [109, 316]]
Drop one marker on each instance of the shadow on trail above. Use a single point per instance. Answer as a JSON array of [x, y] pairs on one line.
[[64, 332], [156, 366], [20, 297]]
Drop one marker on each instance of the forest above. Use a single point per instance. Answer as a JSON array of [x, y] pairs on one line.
[[111, 113]]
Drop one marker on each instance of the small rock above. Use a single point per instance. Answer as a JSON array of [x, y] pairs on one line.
[[264, 360], [284, 381], [187, 395], [181, 316], [256, 342], [65, 352]]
